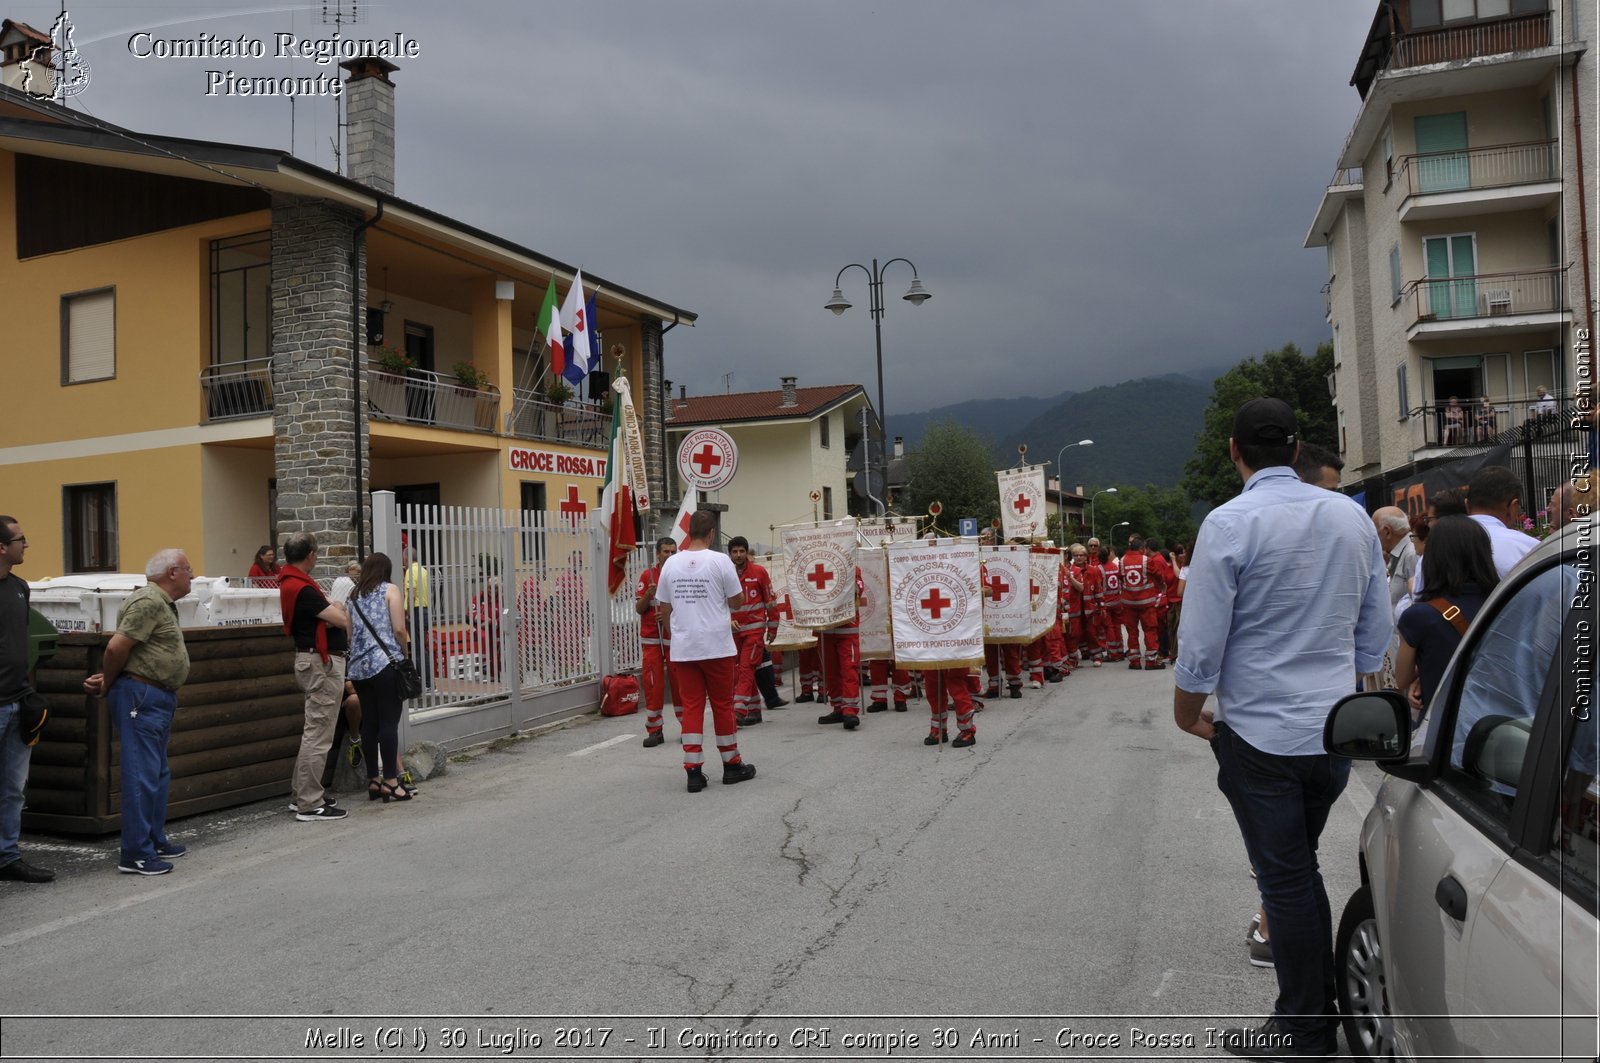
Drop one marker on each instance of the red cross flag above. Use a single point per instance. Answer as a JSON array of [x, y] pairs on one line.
[[874, 625], [788, 635], [1022, 502], [820, 563], [936, 618], [1005, 606], [1044, 565], [680, 524]]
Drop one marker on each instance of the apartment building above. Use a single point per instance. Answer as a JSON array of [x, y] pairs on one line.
[[1459, 235]]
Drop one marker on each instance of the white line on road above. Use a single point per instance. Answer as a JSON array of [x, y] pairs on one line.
[[1167, 976], [586, 750]]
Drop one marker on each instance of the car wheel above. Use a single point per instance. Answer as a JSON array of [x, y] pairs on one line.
[[1363, 994]]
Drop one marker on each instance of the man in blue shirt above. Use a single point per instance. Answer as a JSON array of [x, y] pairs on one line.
[[1286, 601]]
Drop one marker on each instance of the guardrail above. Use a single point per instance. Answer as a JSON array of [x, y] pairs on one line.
[[236, 390], [1468, 169], [419, 396], [1470, 421], [1488, 295], [1471, 41], [535, 417]]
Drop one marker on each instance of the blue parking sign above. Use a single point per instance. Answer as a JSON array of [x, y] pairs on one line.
[[969, 525]]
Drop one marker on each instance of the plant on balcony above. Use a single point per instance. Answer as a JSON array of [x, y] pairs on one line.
[[394, 360], [470, 376], [557, 391]]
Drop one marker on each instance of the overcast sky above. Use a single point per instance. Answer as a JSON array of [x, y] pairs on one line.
[[1092, 191]]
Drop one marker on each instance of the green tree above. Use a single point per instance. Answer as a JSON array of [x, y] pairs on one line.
[[1165, 513], [953, 467], [1283, 374]]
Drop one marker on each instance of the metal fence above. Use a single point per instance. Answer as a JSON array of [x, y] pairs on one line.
[[518, 625]]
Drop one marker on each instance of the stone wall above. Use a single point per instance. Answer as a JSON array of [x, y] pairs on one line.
[[317, 432]]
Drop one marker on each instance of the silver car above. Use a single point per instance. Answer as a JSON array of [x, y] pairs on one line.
[[1473, 933]]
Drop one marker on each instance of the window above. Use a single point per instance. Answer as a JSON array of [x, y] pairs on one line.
[[1424, 14], [827, 503], [823, 424], [90, 519], [1402, 391], [241, 299], [1388, 156], [1394, 275], [89, 336]]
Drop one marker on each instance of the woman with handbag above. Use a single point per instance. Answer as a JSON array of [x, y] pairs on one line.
[[1457, 575], [378, 645]]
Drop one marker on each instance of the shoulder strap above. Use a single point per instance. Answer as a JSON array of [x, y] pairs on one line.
[[1451, 613], [355, 604]]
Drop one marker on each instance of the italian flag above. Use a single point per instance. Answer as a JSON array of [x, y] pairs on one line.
[[617, 511], [550, 328]]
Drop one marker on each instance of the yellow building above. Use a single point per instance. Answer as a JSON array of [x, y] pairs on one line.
[[193, 340]]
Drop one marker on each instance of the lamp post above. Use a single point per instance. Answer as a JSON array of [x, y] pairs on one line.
[[1112, 534], [916, 295], [1097, 494], [1061, 486]]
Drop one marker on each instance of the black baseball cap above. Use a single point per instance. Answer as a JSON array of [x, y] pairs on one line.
[[1265, 422]]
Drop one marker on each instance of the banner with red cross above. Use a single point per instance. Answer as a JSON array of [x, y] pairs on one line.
[[1044, 589], [875, 531], [820, 565], [1007, 615], [1022, 508], [876, 644], [935, 610], [788, 635]]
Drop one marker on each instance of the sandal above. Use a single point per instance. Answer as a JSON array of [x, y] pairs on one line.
[[394, 791], [374, 788]]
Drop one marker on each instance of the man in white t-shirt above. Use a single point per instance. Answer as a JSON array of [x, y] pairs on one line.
[[698, 589]]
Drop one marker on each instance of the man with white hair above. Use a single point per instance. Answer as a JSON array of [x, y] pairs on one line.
[[144, 664], [1394, 535]]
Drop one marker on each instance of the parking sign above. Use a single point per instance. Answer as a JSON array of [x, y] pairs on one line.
[[969, 525]]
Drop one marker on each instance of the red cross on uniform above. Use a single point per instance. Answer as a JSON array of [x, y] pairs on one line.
[[572, 506], [820, 576], [1022, 503], [706, 458], [935, 603]]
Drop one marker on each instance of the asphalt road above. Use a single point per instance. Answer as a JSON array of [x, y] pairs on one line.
[[1073, 877]]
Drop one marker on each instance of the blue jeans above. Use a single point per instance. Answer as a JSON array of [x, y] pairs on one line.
[[14, 755], [1282, 804], [143, 717]]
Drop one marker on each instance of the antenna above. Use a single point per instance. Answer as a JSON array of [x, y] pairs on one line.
[[727, 383], [339, 13]]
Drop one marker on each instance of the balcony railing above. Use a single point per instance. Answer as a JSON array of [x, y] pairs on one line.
[[419, 396], [1470, 423], [1501, 166], [236, 390], [1488, 295], [535, 417], [1471, 41]]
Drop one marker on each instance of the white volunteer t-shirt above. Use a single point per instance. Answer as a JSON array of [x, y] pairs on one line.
[[697, 584]]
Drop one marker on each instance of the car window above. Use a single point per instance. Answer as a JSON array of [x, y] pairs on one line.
[[1505, 673], [1577, 833]]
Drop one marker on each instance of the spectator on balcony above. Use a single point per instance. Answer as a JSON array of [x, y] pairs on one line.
[[1544, 405], [1455, 422], [1483, 421], [264, 570]]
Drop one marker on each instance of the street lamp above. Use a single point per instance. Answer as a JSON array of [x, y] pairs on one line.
[[1112, 535], [1097, 494], [1061, 485], [916, 295]]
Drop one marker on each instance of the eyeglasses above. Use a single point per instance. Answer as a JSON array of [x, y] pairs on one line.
[[23, 539]]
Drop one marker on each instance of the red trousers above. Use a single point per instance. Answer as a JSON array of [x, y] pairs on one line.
[[748, 646], [878, 674], [1146, 618], [810, 669], [1056, 645], [1033, 657], [1108, 626], [656, 662], [841, 663], [1011, 654], [947, 687], [699, 681]]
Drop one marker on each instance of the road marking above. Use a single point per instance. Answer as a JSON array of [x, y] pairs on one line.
[[1166, 980], [586, 750], [1168, 975], [1225, 812]]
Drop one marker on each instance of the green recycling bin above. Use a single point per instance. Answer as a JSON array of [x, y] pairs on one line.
[[41, 639]]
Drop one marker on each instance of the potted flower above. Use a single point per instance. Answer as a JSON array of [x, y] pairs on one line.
[[557, 392], [470, 376], [458, 404], [388, 384]]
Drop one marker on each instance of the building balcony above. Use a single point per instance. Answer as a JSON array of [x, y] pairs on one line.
[[237, 391], [1468, 424], [1475, 40], [420, 397], [1500, 303], [1487, 180], [535, 417]]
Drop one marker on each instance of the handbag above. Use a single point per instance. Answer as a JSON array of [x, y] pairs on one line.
[[32, 712], [405, 671]]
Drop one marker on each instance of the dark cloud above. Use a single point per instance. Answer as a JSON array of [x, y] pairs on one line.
[[1091, 190]]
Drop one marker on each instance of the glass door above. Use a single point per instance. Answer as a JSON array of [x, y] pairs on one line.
[[1451, 263], [1442, 162]]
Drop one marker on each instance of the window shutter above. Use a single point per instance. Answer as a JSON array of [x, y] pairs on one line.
[[91, 337]]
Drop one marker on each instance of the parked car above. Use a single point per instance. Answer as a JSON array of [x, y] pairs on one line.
[[1473, 933]]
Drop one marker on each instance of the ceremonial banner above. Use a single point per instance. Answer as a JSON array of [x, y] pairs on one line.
[[875, 642], [875, 531], [1045, 590], [934, 608], [820, 562], [787, 637], [1007, 617], [1022, 508]]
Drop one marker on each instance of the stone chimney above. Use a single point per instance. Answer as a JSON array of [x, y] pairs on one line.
[[789, 396], [899, 446], [1078, 490], [666, 399], [369, 121]]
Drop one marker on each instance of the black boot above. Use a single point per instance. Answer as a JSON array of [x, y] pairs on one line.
[[697, 781], [732, 773]]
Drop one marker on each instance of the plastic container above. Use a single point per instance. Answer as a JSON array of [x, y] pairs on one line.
[[68, 609], [243, 606]]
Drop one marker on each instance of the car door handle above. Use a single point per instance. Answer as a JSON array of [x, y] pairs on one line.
[[1452, 897]]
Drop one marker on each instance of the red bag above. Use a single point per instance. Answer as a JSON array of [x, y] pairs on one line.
[[619, 695]]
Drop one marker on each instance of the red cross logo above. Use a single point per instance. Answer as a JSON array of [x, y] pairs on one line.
[[820, 576], [572, 506], [1021, 504], [1033, 590], [706, 458], [935, 603], [784, 609], [997, 587]]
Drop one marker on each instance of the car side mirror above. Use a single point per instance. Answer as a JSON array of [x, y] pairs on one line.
[[1495, 749], [1375, 725]]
